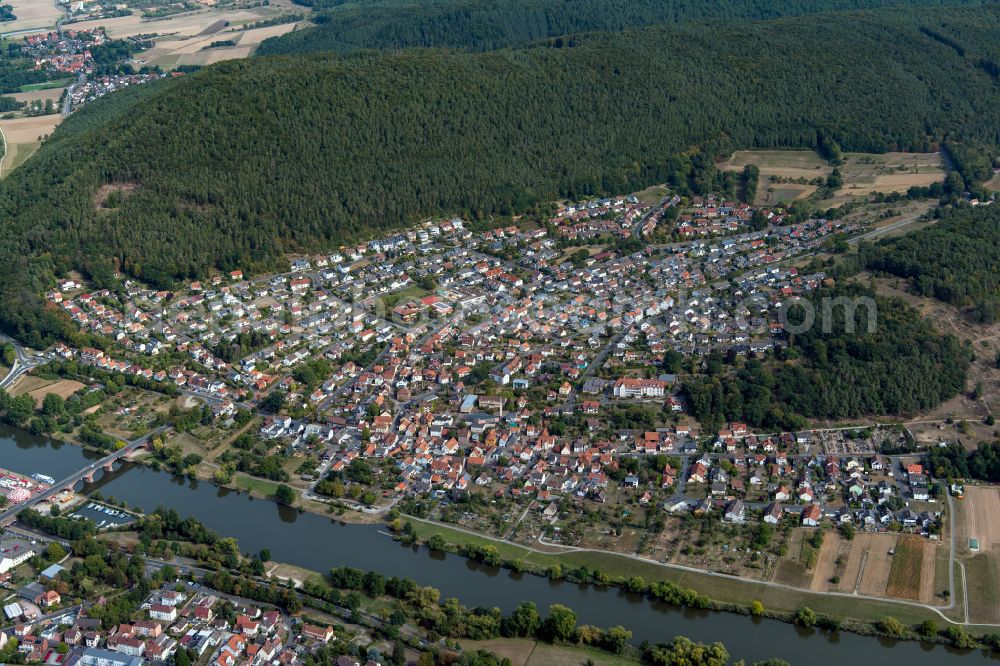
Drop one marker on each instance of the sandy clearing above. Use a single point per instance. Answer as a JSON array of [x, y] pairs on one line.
[[32, 15], [38, 95]]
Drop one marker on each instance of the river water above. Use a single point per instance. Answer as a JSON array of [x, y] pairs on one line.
[[318, 543]]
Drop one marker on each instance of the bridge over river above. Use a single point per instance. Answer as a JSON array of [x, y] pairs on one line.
[[85, 474]]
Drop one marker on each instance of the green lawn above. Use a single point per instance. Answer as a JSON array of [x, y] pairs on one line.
[[255, 485], [45, 85]]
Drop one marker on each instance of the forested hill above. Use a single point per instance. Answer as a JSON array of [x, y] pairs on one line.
[[477, 25], [233, 165]]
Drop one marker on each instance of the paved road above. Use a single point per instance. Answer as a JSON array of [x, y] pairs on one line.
[[23, 362], [10, 514]]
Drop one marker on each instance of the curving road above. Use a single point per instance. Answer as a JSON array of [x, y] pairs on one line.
[[23, 362]]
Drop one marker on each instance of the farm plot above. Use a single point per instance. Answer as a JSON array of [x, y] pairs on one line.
[[787, 175], [867, 565], [977, 525], [32, 15], [906, 572], [39, 95], [22, 137]]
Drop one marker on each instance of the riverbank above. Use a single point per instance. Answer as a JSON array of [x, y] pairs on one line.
[[848, 612], [318, 543]]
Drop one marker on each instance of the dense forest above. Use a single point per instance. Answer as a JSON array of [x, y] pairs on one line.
[[899, 366], [475, 25], [238, 163], [956, 261]]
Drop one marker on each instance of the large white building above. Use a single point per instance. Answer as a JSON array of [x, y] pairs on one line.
[[13, 553], [639, 388]]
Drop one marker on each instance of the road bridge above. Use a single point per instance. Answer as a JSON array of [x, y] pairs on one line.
[[86, 474]]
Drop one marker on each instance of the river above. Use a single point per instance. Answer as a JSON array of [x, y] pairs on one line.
[[318, 543]]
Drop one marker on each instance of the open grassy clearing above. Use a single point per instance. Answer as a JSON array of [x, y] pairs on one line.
[[46, 85], [255, 485]]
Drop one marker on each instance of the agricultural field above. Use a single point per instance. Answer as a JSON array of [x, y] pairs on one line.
[[36, 15], [39, 95], [978, 546], [182, 49], [202, 23], [794, 171], [882, 565], [37, 388], [22, 137], [911, 575]]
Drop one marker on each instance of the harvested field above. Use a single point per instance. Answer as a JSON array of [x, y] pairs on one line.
[[63, 388], [868, 562], [255, 36], [38, 95], [32, 15], [877, 562], [24, 135], [826, 563], [907, 568], [976, 518], [208, 22]]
